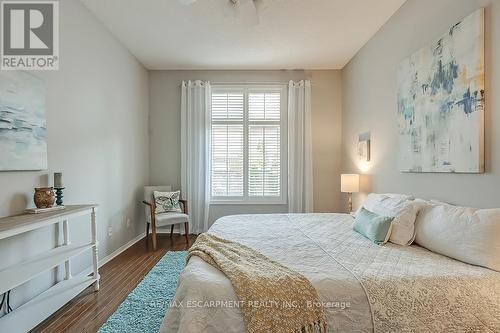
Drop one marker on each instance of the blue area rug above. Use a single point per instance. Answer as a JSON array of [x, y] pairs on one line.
[[144, 308]]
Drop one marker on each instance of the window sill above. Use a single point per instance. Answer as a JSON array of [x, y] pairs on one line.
[[243, 203]]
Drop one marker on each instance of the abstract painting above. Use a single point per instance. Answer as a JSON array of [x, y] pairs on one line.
[[23, 131], [441, 102]]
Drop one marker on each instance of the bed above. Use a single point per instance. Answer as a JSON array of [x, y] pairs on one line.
[[362, 286]]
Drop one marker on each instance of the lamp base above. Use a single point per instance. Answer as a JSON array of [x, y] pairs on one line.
[[349, 198]]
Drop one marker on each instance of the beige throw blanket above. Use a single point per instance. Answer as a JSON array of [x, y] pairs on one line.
[[272, 297]]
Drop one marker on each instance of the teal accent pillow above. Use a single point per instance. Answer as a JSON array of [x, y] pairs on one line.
[[375, 227]]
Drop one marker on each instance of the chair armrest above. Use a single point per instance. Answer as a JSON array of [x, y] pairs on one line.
[[147, 203], [152, 210], [184, 205]]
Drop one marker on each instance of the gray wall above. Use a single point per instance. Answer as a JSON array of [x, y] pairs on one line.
[[326, 121], [97, 107], [369, 103]]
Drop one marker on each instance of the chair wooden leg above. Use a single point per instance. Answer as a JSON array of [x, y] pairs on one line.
[[147, 232], [171, 230], [186, 229], [153, 232]]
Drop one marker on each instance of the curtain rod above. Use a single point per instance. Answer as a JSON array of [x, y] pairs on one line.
[[263, 83], [256, 83], [248, 82]]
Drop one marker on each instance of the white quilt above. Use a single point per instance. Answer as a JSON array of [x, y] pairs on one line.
[[364, 287]]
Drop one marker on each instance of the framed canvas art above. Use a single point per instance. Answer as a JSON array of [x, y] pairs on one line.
[[441, 102], [23, 129]]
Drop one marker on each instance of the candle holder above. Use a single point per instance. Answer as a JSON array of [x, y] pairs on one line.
[[59, 195]]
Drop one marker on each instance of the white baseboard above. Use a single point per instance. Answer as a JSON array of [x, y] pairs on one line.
[[122, 248], [119, 250], [115, 253]]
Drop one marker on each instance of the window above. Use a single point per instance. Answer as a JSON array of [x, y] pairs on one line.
[[247, 146]]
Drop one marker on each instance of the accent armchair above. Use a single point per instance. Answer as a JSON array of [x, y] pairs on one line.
[[163, 219]]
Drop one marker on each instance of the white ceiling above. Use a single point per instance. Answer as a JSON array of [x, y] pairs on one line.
[[290, 34]]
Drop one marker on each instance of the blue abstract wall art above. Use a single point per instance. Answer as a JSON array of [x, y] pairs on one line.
[[441, 102], [23, 129]]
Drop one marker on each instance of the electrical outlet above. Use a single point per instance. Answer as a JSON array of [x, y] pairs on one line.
[[128, 222], [110, 231]]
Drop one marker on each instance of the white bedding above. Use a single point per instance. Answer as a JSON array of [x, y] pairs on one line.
[[369, 287]]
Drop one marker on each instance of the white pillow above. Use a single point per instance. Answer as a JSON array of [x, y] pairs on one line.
[[399, 196], [404, 213], [403, 210], [423, 202], [439, 203], [372, 200], [466, 234]]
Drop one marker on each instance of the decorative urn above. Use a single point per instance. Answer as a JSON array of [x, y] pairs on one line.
[[44, 197]]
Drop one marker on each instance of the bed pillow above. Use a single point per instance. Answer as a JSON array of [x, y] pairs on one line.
[[466, 234], [404, 213], [439, 203], [375, 227], [373, 199], [167, 202], [400, 196], [370, 200]]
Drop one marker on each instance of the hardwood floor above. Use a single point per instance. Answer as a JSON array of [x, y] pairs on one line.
[[89, 310]]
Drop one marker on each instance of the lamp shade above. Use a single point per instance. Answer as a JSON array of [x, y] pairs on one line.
[[349, 182]]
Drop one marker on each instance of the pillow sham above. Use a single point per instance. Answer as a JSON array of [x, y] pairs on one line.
[[167, 201], [466, 234], [373, 199], [375, 227], [400, 196], [402, 210], [439, 203]]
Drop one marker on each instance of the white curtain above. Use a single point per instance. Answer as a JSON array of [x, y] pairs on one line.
[[300, 173], [195, 152]]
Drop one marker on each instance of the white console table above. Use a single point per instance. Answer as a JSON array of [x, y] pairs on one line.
[[30, 314]]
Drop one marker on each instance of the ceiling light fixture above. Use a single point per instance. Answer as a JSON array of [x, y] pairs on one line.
[[233, 6]]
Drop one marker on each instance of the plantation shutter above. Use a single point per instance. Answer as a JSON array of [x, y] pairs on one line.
[[264, 162], [227, 144], [264, 106], [246, 157]]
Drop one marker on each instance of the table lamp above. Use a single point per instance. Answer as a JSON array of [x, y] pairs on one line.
[[349, 183]]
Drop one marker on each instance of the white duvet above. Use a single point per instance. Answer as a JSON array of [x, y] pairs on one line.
[[364, 287]]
